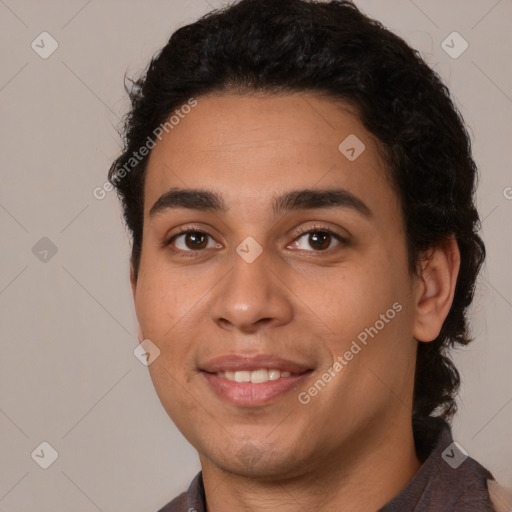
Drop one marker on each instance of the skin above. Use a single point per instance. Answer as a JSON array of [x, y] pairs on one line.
[[352, 444]]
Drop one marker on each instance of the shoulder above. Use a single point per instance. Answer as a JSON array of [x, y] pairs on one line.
[[178, 504], [501, 497], [190, 501]]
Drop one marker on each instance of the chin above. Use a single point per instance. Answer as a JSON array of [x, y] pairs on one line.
[[249, 460]]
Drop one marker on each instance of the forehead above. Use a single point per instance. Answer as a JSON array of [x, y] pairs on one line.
[[250, 147]]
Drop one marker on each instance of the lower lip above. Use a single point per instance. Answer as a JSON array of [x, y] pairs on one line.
[[249, 394]]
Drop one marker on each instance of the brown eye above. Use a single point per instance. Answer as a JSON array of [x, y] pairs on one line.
[[191, 241], [318, 240], [196, 240]]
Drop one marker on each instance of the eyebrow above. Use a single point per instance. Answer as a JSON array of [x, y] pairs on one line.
[[304, 199]]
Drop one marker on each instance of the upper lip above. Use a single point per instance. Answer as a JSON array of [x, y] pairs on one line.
[[236, 362]]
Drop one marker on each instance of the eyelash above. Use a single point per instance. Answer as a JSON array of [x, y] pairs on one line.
[[300, 233]]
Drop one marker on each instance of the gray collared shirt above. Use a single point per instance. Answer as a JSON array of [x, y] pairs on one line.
[[447, 481]]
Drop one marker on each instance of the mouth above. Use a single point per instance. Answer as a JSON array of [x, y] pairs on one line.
[[255, 377], [253, 381]]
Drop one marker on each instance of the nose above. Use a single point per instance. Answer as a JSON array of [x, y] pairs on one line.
[[251, 297]]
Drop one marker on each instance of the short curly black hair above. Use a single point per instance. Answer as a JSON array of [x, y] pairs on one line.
[[333, 49]]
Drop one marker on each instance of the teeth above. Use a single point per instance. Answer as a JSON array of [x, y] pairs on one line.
[[242, 376], [259, 376], [274, 374], [256, 376]]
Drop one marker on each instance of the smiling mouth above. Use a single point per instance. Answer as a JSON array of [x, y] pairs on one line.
[[253, 380], [255, 377], [254, 388]]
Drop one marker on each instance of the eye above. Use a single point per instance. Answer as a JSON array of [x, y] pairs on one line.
[[320, 239], [192, 240]]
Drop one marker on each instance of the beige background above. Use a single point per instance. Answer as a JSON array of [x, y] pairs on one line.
[[68, 375]]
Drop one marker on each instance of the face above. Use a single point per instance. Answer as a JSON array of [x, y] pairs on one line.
[[283, 267]]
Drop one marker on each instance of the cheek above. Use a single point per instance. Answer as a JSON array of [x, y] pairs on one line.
[[163, 311], [167, 303], [367, 303], [354, 295], [376, 330], [161, 301]]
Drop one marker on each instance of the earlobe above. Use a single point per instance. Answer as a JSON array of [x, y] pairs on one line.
[[435, 289]]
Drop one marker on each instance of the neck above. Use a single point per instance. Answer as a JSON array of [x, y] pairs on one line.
[[357, 479]]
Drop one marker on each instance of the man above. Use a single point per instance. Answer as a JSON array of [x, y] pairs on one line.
[[300, 192]]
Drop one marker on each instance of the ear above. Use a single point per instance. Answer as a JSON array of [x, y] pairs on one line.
[[435, 288], [133, 280]]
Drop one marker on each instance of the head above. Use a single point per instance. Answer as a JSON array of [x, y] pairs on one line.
[[269, 99]]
